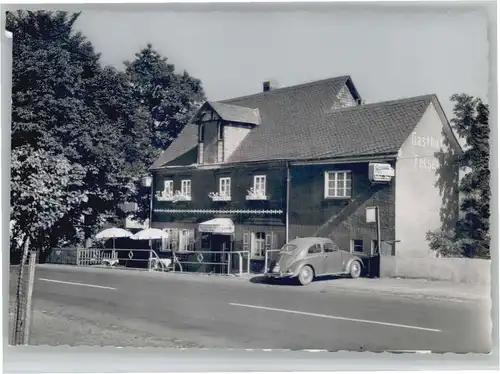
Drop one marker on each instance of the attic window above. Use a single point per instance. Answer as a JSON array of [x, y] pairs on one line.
[[201, 133], [220, 130]]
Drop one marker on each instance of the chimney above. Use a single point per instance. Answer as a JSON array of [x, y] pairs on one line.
[[269, 85]]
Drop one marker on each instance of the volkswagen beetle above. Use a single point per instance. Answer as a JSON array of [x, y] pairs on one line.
[[307, 258]]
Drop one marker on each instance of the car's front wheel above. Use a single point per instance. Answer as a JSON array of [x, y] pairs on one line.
[[306, 275], [355, 269]]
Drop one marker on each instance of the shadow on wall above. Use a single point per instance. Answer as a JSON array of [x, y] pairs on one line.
[[448, 180], [442, 240], [347, 211]]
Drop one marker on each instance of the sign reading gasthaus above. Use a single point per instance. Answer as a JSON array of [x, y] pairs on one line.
[[380, 172]]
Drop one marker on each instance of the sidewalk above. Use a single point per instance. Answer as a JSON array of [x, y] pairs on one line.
[[411, 288], [415, 288]]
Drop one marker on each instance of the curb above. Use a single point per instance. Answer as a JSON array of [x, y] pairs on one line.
[[417, 294]]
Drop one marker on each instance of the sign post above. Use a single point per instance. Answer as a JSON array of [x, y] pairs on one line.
[[378, 229], [373, 215]]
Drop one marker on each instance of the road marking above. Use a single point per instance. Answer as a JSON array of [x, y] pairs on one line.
[[76, 284], [335, 317]]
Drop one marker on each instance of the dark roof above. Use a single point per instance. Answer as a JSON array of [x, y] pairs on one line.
[[184, 145], [362, 130], [236, 113], [299, 123]]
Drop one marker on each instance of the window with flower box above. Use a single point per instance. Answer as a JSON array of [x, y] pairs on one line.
[[258, 191], [225, 186], [168, 191], [186, 188]]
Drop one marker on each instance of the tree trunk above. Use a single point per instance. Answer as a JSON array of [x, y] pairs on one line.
[[88, 242], [29, 296]]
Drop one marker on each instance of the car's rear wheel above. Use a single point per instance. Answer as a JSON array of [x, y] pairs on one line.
[[306, 275], [355, 269]]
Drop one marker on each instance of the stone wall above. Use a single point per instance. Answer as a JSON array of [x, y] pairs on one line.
[[457, 270]]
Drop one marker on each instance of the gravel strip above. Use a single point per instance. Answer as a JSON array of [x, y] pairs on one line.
[[57, 325]]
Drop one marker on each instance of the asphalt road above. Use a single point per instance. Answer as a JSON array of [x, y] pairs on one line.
[[126, 308]]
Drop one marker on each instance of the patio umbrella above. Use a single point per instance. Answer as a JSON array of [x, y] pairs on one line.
[[113, 233], [149, 234]]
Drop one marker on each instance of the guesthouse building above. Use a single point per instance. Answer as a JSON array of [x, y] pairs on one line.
[[250, 173]]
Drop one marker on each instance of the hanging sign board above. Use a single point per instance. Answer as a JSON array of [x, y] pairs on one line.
[[371, 214], [380, 172]]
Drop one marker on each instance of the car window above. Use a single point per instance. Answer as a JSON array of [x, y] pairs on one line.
[[288, 248], [330, 247], [315, 248]]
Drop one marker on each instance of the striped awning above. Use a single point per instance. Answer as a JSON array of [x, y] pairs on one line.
[[217, 226]]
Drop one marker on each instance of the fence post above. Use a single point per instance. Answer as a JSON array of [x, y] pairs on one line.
[[229, 263], [265, 261], [19, 319], [77, 256], [240, 264], [29, 296], [150, 258], [248, 262]]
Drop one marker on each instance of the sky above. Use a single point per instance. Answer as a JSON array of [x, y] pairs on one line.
[[389, 54]]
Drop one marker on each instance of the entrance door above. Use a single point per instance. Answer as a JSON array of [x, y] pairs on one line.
[[333, 259], [222, 244]]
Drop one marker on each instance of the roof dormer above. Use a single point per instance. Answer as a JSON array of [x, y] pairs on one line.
[[347, 96], [221, 128]]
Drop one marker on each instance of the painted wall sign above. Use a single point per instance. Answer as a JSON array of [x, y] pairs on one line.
[[427, 163], [426, 141], [380, 172]]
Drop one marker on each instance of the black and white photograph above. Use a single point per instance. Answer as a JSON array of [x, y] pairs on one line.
[[249, 178]]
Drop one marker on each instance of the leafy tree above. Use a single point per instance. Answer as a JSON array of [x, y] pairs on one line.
[[65, 103], [50, 67], [44, 188], [445, 242], [107, 124], [168, 98], [472, 123], [470, 237]]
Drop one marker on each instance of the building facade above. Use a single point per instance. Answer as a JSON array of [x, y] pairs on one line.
[[253, 172]]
